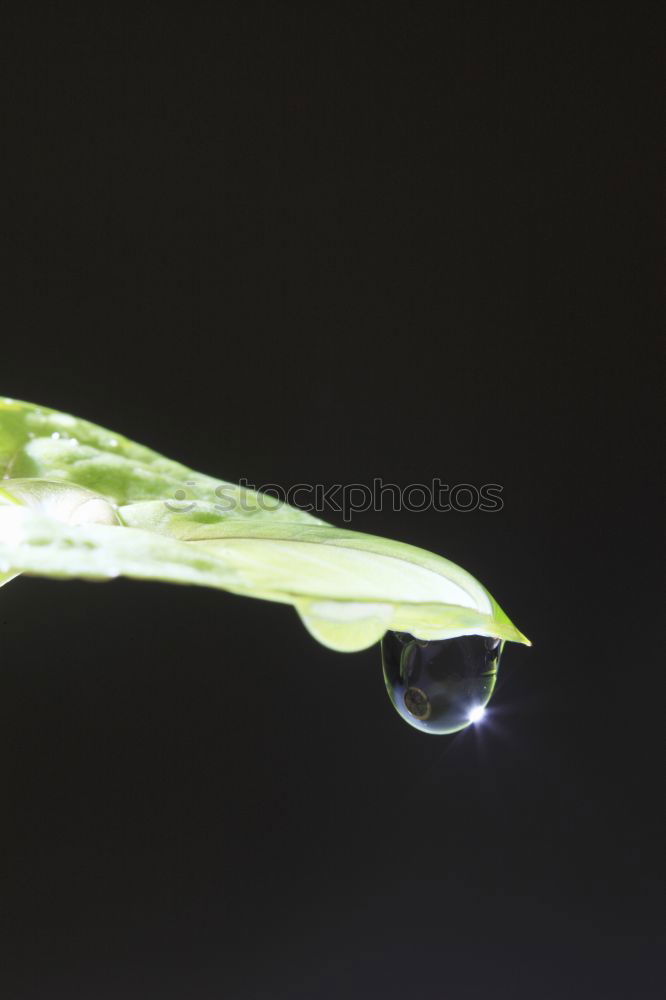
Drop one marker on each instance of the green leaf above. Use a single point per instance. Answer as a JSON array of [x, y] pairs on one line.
[[101, 506], [39, 443]]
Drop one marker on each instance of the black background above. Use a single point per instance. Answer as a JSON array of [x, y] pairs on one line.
[[322, 243]]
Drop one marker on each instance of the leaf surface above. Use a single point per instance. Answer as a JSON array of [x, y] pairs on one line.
[[91, 504]]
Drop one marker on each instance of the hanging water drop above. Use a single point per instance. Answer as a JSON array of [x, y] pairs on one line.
[[440, 686]]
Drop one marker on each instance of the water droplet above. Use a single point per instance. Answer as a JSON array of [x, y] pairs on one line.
[[440, 686]]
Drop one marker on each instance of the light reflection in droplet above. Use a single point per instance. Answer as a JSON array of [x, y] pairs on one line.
[[476, 713]]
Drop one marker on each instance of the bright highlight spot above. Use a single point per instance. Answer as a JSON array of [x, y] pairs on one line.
[[476, 713]]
